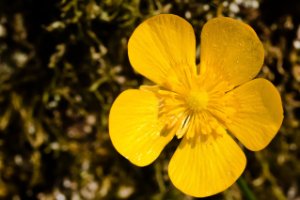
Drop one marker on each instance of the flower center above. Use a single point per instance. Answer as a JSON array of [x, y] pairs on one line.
[[197, 100]]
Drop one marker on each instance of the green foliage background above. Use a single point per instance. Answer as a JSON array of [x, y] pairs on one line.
[[62, 63]]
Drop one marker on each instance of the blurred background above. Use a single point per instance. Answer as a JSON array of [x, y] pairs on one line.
[[62, 64]]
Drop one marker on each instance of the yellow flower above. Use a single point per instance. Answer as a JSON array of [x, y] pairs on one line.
[[205, 105]]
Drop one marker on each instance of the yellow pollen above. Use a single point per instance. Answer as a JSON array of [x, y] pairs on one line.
[[197, 100]]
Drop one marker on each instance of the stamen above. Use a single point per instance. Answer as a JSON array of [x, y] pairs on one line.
[[184, 127]]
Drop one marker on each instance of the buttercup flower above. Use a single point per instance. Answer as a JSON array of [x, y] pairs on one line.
[[205, 105]]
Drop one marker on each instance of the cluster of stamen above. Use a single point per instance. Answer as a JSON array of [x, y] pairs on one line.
[[186, 114], [194, 106]]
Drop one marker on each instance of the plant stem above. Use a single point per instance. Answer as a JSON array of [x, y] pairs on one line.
[[247, 192]]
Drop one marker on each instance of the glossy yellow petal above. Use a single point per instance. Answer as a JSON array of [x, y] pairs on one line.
[[207, 165], [256, 113], [230, 51], [134, 128], [163, 48]]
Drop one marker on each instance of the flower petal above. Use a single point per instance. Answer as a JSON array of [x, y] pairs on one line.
[[163, 47], [134, 128], [207, 165], [230, 50], [256, 113]]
